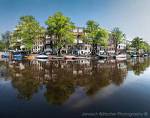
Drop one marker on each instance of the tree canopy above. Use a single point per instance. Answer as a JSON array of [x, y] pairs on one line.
[[60, 28], [96, 35], [138, 43], [5, 40], [118, 36], [28, 31]]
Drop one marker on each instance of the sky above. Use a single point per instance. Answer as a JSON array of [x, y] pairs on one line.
[[131, 16]]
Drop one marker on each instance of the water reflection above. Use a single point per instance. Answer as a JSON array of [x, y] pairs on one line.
[[138, 65], [60, 78]]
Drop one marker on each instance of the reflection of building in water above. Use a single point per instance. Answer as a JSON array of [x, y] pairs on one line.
[[61, 76], [4, 73], [122, 66], [138, 65], [54, 70], [40, 73]]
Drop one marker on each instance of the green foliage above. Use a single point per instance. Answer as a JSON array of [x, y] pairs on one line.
[[146, 47], [2, 46], [140, 66], [28, 31], [101, 37], [118, 37], [128, 46], [5, 38], [96, 35], [60, 28], [92, 27], [137, 43]]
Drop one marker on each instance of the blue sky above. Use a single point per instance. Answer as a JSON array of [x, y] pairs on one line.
[[132, 16]]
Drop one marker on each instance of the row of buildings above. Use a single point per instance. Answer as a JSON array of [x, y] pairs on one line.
[[79, 47]]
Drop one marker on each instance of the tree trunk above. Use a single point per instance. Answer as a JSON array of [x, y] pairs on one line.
[[59, 51], [92, 53], [116, 45], [94, 49]]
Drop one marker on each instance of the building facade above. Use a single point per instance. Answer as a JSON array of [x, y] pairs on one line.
[[78, 47]]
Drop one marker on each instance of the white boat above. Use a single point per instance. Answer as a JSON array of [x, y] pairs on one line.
[[84, 61], [69, 57], [42, 60], [103, 56], [134, 55], [121, 59], [145, 54], [79, 57], [121, 56], [42, 56], [101, 61]]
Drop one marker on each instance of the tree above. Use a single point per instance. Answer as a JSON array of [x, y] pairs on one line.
[[118, 37], [137, 43], [28, 31], [59, 28], [146, 47], [96, 35], [2, 46], [101, 37], [6, 39]]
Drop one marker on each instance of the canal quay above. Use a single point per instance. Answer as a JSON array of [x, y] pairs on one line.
[[75, 88]]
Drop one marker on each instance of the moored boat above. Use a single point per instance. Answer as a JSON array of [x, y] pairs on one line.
[[30, 57], [17, 55], [134, 55], [121, 56], [69, 57], [145, 55], [5, 55], [121, 59], [42, 60], [55, 58], [102, 56], [42, 56]]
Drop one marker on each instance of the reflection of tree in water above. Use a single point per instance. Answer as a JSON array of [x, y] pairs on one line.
[[24, 82], [61, 86], [118, 74], [139, 65], [59, 91], [4, 74], [103, 75], [98, 79], [61, 78], [92, 76]]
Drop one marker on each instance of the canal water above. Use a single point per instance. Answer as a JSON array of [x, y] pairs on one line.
[[75, 89]]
